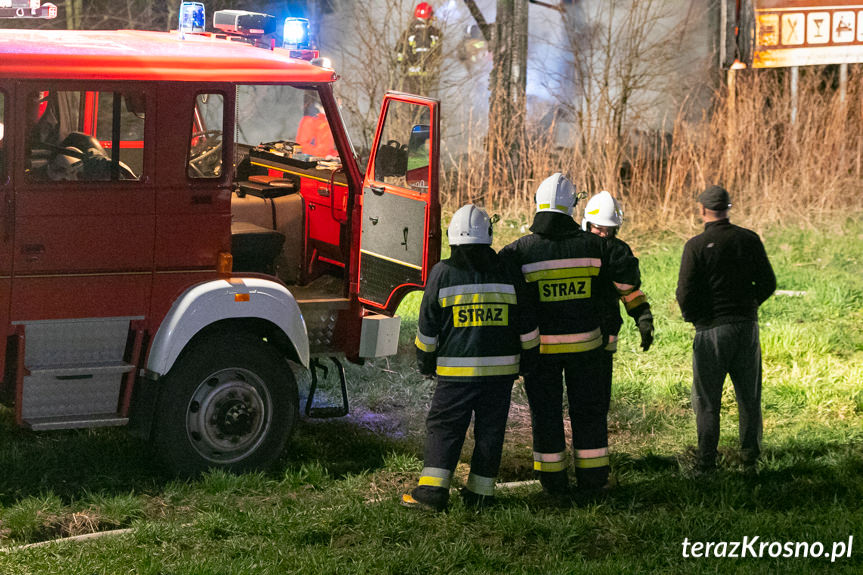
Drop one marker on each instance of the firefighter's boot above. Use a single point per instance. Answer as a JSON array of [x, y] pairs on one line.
[[426, 498], [554, 483], [474, 500]]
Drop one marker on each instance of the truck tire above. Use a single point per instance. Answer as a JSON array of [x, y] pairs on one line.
[[230, 402]]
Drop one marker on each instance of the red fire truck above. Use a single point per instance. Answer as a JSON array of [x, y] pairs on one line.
[[170, 249]]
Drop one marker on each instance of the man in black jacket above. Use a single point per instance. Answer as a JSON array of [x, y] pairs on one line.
[[724, 276]]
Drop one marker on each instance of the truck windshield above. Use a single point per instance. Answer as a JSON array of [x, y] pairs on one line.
[[286, 117]]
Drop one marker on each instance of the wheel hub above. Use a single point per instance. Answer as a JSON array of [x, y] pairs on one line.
[[229, 415], [234, 417]]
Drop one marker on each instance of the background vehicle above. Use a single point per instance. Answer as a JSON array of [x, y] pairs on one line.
[[168, 246]]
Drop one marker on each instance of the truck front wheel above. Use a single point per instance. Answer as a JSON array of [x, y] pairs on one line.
[[230, 402]]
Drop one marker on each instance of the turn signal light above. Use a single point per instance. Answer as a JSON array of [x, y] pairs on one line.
[[225, 263]]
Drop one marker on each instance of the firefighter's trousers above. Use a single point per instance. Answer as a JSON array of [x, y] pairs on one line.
[[733, 349], [588, 391], [453, 403]]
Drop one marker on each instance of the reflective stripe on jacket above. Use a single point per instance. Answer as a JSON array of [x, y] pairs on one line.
[[627, 290], [570, 273], [472, 321]]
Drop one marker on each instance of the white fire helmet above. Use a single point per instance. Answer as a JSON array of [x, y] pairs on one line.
[[555, 194], [602, 210], [469, 225]]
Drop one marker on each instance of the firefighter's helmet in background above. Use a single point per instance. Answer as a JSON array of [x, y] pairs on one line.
[[423, 11], [602, 210], [556, 194], [469, 225]]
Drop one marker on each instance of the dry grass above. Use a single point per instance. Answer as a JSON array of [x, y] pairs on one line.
[[776, 170]]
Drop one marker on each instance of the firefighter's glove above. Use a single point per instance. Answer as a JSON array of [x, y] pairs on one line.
[[645, 328], [427, 371], [426, 363]]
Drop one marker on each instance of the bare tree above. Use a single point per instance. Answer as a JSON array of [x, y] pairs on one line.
[[624, 65], [363, 43]]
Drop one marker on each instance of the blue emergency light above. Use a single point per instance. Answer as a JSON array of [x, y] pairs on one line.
[[296, 33], [191, 18]]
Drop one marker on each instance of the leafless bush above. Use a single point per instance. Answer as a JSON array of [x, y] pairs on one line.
[[775, 170], [656, 157]]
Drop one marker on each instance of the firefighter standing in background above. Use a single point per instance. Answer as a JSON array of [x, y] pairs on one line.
[[603, 216], [419, 52], [476, 333], [568, 271], [473, 47]]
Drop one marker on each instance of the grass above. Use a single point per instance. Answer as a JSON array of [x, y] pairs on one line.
[[330, 505]]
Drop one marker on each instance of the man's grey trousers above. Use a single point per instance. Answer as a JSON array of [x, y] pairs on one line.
[[733, 349]]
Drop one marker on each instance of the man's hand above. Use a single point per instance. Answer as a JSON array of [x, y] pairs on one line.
[[645, 328], [529, 361]]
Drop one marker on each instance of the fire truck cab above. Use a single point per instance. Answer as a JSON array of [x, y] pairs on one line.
[[183, 220]]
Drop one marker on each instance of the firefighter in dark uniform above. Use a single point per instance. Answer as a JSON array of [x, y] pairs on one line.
[[603, 217], [568, 272], [473, 47], [419, 52], [724, 277], [475, 332]]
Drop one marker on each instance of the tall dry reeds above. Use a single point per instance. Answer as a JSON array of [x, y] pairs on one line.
[[775, 169]]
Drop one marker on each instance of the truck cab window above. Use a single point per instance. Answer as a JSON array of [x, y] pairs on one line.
[[205, 147], [404, 155], [303, 132], [83, 136], [2, 134]]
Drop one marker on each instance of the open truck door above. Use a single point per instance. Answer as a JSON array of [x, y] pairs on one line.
[[400, 239]]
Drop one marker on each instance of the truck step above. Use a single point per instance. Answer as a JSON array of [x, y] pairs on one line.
[[72, 390], [75, 422], [326, 411], [77, 371], [74, 371], [75, 341]]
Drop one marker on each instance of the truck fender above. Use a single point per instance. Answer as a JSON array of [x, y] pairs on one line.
[[212, 301]]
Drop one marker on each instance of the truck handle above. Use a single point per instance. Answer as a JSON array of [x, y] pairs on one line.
[[333, 197], [9, 222]]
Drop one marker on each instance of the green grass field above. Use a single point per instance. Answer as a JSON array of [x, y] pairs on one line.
[[330, 505]]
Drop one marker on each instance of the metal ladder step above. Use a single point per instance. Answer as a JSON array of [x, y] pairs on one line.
[[75, 421], [83, 390], [75, 371], [327, 410]]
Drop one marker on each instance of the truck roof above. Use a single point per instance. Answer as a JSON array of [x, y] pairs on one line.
[[140, 55]]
